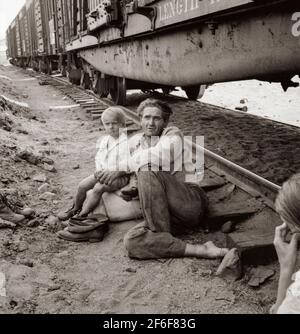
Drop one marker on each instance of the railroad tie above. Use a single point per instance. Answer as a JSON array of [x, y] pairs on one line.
[[88, 106], [95, 108], [84, 100]]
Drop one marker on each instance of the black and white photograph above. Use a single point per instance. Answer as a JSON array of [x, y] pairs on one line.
[[149, 159]]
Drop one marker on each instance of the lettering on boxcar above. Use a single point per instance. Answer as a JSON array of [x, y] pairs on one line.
[[175, 8], [296, 26]]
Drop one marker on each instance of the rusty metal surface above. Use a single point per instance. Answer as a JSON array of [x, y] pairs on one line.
[[244, 48], [82, 42], [98, 16]]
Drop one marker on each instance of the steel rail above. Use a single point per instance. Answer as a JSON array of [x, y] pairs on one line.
[[240, 176]]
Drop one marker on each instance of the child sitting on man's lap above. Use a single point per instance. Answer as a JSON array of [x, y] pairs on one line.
[[112, 150]]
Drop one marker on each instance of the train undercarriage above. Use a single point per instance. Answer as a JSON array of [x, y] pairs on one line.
[[249, 43], [115, 46]]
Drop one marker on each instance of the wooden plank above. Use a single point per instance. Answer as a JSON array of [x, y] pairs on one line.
[[94, 110], [76, 95], [69, 91], [89, 111], [224, 214], [89, 102], [254, 238], [212, 183], [84, 100], [88, 105], [95, 117], [211, 180], [224, 193]]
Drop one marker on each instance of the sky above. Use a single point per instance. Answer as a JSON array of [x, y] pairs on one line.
[[8, 11]]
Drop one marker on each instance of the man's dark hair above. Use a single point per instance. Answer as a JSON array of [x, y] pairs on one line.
[[153, 103]]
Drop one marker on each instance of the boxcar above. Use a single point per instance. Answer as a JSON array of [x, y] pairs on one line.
[[111, 46], [187, 43]]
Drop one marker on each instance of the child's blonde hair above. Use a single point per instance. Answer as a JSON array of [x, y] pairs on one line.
[[117, 112], [288, 202]]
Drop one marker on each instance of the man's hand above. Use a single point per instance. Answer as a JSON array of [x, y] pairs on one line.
[[287, 256], [107, 177], [124, 197], [286, 252]]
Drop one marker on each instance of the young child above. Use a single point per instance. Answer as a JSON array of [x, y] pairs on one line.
[[288, 206], [112, 149]]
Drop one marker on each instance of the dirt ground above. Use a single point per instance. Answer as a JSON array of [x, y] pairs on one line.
[[271, 150], [47, 275]]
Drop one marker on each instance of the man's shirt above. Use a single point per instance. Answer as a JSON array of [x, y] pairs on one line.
[[167, 153]]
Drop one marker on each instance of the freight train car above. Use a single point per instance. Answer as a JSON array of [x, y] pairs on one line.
[[112, 46], [33, 34], [11, 42], [46, 52]]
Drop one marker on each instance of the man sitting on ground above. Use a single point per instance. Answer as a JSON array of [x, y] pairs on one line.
[[168, 202]]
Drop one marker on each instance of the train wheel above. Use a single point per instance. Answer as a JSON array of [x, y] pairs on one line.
[[85, 81], [118, 93], [40, 66], [101, 87], [166, 90], [75, 76], [49, 67], [194, 92], [104, 94], [202, 91], [35, 65], [63, 70]]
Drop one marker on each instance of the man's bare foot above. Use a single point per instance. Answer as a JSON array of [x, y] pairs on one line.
[[208, 251], [212, 251]]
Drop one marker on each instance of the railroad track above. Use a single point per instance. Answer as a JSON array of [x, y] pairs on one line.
[[235, 194]]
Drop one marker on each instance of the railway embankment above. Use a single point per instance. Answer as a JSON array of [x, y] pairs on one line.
[[44, 155]]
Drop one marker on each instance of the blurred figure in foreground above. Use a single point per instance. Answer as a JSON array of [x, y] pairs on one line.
[[288, 206]]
